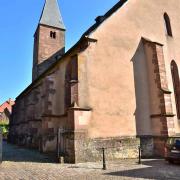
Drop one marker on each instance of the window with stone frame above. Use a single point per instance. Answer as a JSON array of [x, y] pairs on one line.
[[71, 82], [176, 84], [168, 24]]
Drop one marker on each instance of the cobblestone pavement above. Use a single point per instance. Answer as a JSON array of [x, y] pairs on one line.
[[22, 164]]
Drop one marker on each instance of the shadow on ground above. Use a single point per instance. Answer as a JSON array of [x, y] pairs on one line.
[[18, 154], [151, 169]]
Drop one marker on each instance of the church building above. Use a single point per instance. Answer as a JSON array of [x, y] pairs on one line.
[[117, 88]]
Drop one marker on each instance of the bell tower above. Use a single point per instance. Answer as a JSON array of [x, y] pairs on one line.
[[49, 38]]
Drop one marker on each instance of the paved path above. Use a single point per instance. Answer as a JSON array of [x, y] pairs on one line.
[[22, 164]]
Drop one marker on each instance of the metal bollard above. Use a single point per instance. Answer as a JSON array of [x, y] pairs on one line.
[[104, 159], [139, 155]]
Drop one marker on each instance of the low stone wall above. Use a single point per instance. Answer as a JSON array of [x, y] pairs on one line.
[[90, 150], [153, 146], [147, 146]]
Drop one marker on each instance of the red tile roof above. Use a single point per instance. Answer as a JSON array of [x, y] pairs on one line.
[[7, 105]]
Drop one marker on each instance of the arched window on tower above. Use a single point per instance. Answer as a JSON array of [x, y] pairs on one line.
[[168, 24], [176, 84]]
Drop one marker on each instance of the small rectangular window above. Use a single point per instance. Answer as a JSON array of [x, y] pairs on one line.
[[53, 35]]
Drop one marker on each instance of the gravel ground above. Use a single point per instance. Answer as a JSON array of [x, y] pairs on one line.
[[22, 164]]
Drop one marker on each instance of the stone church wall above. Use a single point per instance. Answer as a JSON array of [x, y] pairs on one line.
[[115, 148], [109, 92], [115, 47]]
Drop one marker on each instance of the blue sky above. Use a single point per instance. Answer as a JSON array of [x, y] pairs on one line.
[[18, 21]]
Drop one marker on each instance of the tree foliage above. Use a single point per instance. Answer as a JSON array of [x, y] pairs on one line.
[[4, 125]]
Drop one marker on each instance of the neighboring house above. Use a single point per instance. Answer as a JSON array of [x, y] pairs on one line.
[[117, 87], [5, 110]]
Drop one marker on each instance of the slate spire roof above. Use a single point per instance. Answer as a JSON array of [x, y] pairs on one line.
[[51, 15]]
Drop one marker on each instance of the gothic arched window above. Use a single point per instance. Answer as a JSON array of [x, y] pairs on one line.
[[167, 24], [176, 84]]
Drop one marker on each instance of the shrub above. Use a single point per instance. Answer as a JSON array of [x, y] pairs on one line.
[[5, 127]]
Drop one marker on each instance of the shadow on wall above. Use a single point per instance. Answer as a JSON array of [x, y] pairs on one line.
[[16, 154], [46, 64], [153, 169], [142, 112]]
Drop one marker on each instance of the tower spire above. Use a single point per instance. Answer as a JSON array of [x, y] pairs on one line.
[[49, 38], [51, 15]]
